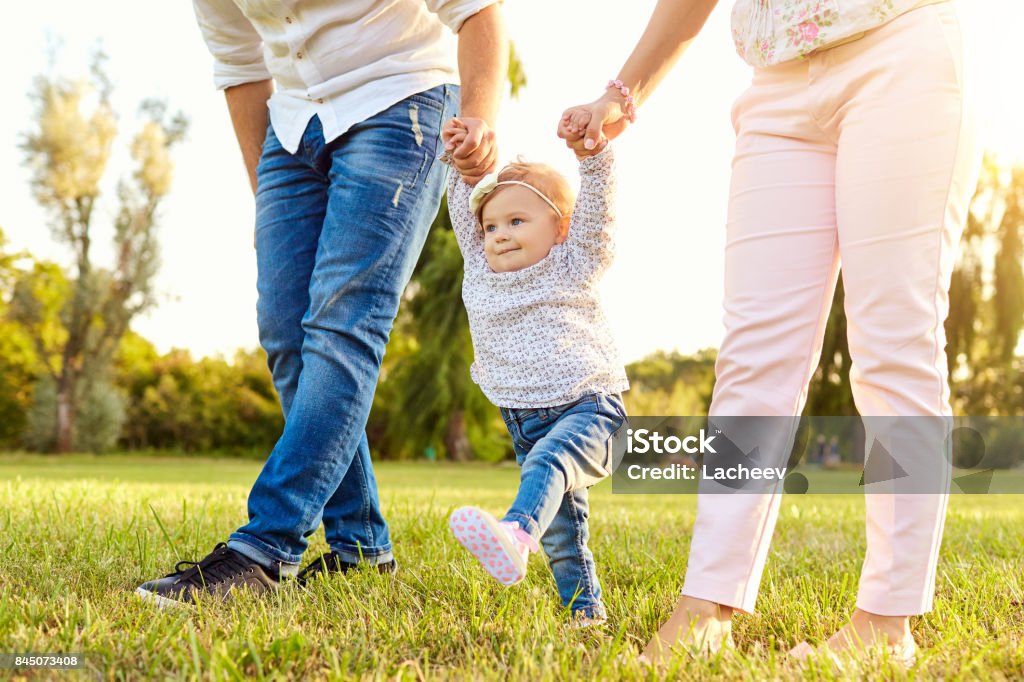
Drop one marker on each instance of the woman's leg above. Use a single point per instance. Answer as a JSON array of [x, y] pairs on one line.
[[907, 167], [781, 263], [907, 164], [780, 271]]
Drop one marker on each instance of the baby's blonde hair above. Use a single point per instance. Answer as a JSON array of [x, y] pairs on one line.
[[542, 176]]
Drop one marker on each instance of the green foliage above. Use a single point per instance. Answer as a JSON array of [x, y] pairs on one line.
[[18, 359], [1008, 269], [436, 403], [17, 375], [100, 416], [40, 433], [987, 299], [516, 73], [197, 405], [38, 306], [666, 383]]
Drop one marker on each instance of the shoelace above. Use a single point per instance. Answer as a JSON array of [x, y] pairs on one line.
[[219, 565], [183, 566], [326, 562]]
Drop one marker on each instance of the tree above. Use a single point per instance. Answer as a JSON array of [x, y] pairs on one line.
[[68, 150], [987, 298], [967, 291], [830, 392], [437, 401], [1008, 270], [986, 310], [197, 405]]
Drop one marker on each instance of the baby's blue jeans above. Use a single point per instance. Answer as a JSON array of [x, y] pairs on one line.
[[563, 451]]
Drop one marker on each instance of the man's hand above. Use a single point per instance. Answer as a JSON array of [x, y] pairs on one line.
[[473, 147], [588, 128], [483, 68], [247, 104]]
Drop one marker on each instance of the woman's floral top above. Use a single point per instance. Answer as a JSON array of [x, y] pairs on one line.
[[773, 31]]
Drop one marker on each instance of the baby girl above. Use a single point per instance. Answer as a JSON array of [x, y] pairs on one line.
[[544, 354]]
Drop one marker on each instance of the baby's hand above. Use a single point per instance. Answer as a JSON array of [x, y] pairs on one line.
[[572, 127], [453, 133], [470, 147], [574, 122]]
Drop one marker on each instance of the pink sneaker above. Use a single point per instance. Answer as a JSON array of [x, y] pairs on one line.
[[502, 548]]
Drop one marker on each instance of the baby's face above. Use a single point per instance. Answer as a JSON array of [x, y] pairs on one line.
[[519, 229]]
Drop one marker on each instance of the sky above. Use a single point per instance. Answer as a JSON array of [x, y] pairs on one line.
[[664, 290]]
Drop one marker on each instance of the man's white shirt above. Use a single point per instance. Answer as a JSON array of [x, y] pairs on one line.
[[342, 60]]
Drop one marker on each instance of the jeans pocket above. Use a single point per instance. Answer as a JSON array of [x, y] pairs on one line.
[[519, 442], [432, 99]]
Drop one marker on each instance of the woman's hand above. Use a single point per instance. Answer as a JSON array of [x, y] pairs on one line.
[[672, 27], [588, 128]]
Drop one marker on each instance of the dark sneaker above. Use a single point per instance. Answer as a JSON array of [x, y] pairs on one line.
[[331, 563], [220, 572]]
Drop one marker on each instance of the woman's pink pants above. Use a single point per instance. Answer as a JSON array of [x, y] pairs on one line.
[[863, 155]]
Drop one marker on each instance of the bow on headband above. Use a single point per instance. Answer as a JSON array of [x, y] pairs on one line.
[[490, 182]]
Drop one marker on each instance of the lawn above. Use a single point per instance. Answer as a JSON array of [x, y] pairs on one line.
[[79, 533]]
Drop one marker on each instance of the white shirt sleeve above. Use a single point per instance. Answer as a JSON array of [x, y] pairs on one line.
[[453, 13], [236, 47]]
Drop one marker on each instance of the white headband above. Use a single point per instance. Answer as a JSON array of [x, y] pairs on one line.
[[490, 183]]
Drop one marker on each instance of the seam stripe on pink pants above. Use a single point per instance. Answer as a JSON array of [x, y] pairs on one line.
[[864, 153]]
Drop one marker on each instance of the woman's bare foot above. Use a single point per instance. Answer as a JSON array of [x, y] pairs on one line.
[[698, 625], [867, 632]]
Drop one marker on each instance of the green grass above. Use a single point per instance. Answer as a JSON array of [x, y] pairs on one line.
[[77, 534]]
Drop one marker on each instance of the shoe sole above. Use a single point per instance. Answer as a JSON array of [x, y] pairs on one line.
[[479, 533], [161, 601]]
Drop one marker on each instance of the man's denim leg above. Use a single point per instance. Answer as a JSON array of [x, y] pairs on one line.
[[384, 189], [290, 208], [353, 523]]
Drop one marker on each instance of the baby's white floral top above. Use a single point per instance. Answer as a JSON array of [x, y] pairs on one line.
[[770, 32], [540, 336]]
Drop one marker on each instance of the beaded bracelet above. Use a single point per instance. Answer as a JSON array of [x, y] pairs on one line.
[[629, 108]]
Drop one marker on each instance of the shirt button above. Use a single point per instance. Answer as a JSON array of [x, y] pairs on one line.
[[298, 55], [288, 19]]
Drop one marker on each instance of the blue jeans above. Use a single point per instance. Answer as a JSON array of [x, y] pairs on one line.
[[339, 227], [563, 451]]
